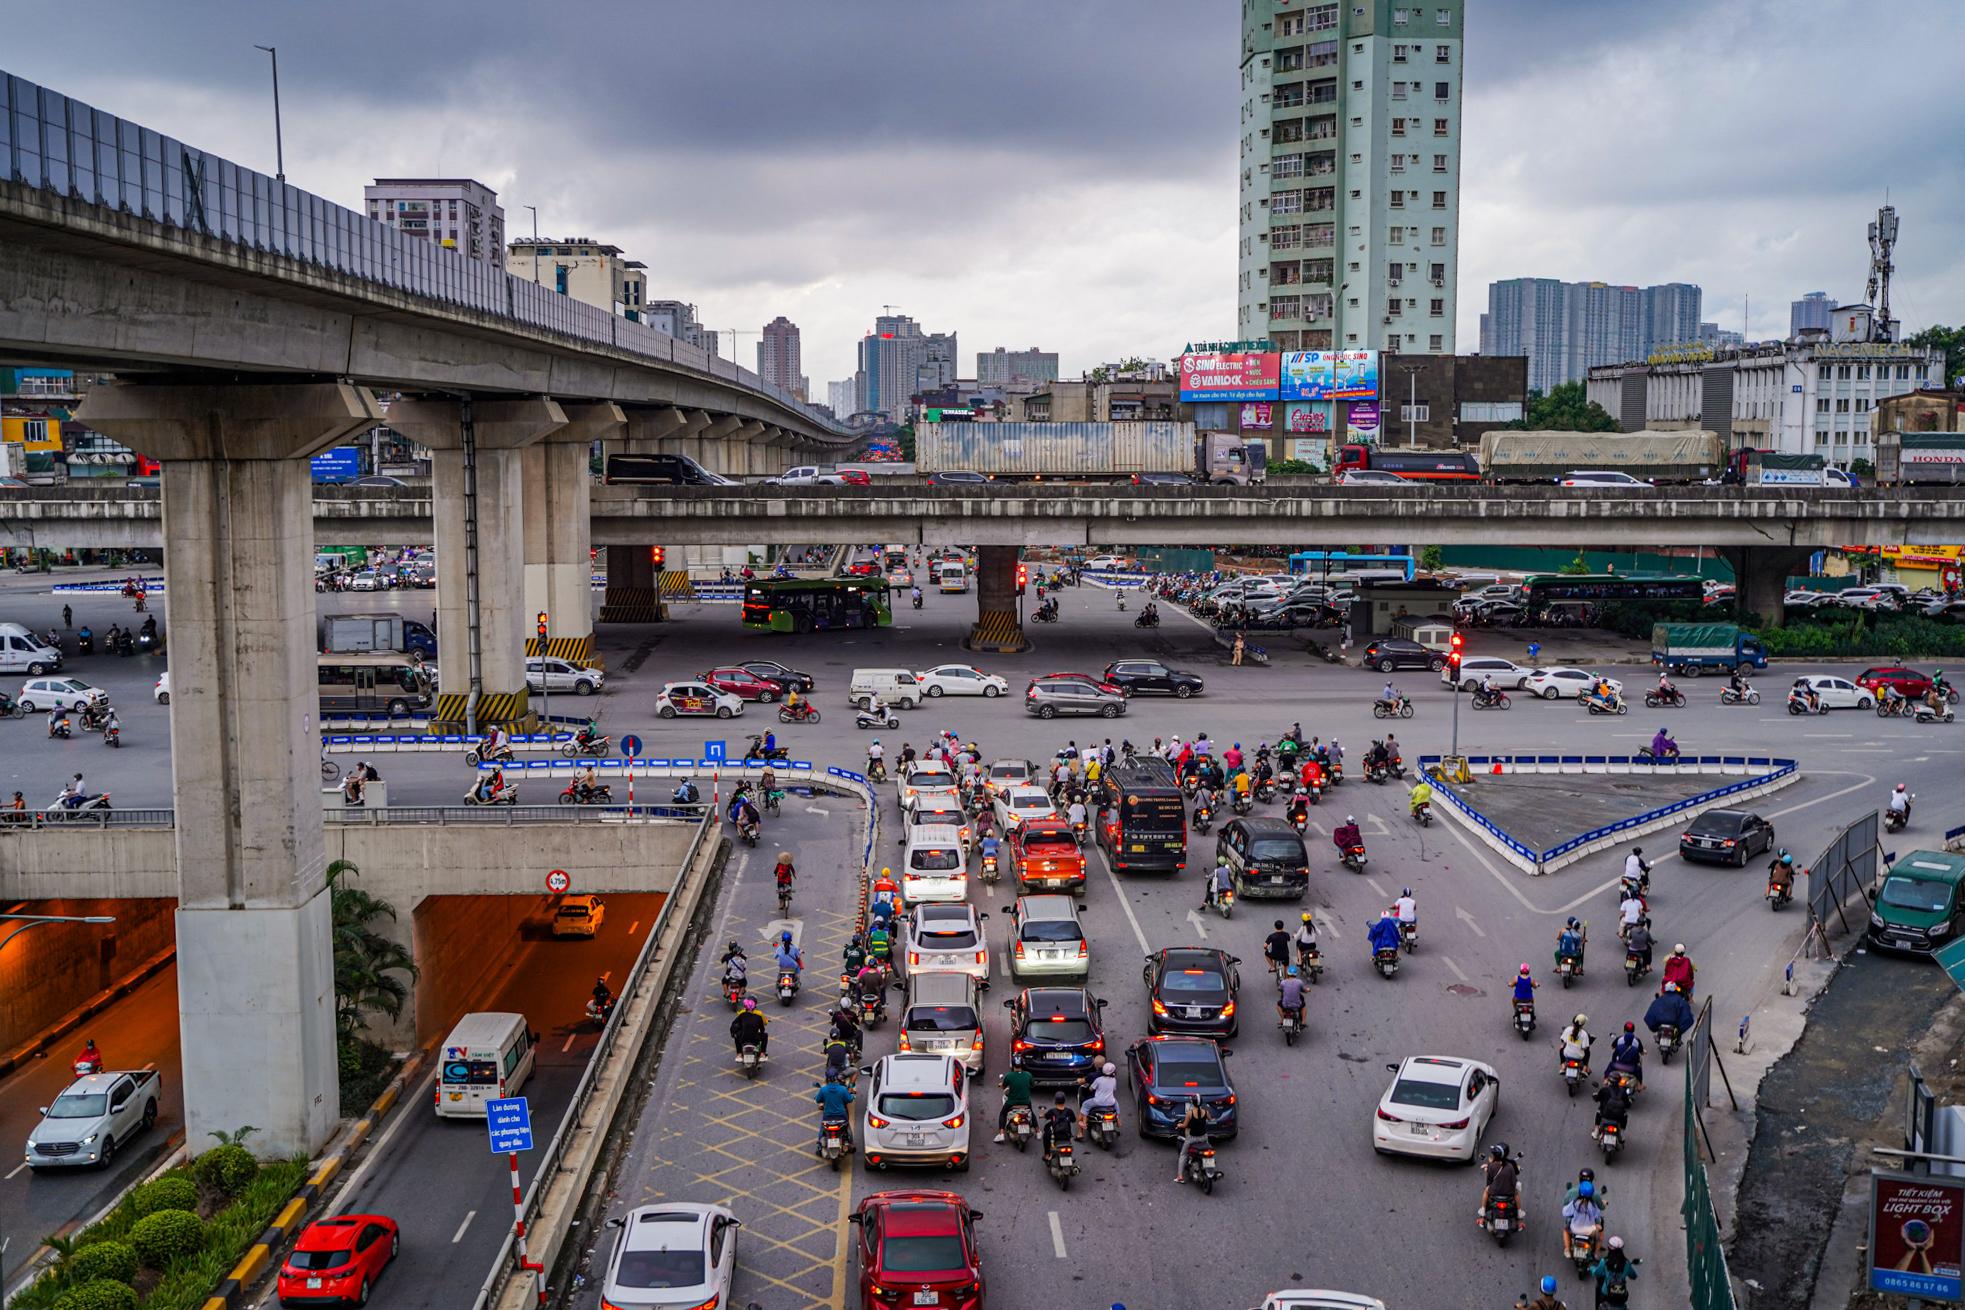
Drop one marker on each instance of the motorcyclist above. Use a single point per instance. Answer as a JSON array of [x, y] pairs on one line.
[[1939, 692], [586, 782], [749, 1029], [1679, 969], [1548, 1300], [1525, 985], [736, 970], [1016, 1085], [1613, 1271], [1582, 1220], [490, 785], [686, 793], [1637, 941], [914, 594], [1299, 807], [1383, 934], [1102, 1095], [884, 888], [1377, 757], [1306, 939], [845, 1026], [1893, 700], [835, 1102], [495, 744], [880, 941], [1390, 696], [870, 984], [1736, 681], [1346, 835], [588, 734], [1500, 1179], [1421, 796], [1666, 691], [57, 722], [1311, 775], [1232, 757], [1630, 911], [1059, 1125], [1637, 870], [1289, 995], [90, 1055], [1780, 873], [1192, 1135], [73, 794], [1805, 691], [1569, 944], [1662, 746], [603, 999], [1219, 881], [1627, 1055], [1575, 1042], [1276, 949], [1486, 692], [1075, 814], [1406, 908], [1900, 802], [1614, 1104], [1669, 1009], [788, 957], [743, 814]]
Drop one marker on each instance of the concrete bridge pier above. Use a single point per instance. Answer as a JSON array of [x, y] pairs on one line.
[[1761, 573], [481, 557], [255, 967], [998, 627], [559, 528]]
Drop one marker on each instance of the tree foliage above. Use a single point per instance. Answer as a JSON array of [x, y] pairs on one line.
[[1432, 559], [371, 971], [1951, 340], [1567, 408]]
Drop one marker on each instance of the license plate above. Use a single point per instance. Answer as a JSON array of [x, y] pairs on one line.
[[927, 1298], [1058, 1056], [1502, 1225], [1195, 1012], [1420, 1130], [1138, 847], [917, 1139], [313, 1282]]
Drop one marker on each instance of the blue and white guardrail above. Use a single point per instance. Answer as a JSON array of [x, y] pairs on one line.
[[149, 585], [1756, 774]]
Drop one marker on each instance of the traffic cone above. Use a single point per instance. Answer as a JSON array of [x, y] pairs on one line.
[[1497, 767]]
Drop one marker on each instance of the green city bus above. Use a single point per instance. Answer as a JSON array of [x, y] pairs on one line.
[[816, 604]]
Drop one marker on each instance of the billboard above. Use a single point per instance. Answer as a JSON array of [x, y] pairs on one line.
[[1308, 374], [1357, 375], [1362, 425], [1239, 376], [1259, 415], [1308, 418], [341, 464], [1917, 1235]]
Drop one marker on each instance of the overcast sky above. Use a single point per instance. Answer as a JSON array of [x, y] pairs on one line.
[[1063, 175]]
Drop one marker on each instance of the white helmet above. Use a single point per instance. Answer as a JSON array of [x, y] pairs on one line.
[[1108, 1068], [1351, 818]]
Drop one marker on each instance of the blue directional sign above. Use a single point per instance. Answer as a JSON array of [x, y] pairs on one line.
[[714, 751], [630, 746], [510, 1124]]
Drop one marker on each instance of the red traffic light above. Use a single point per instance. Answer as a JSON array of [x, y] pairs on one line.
[[656, 554], [1023, 574], [542, 625]]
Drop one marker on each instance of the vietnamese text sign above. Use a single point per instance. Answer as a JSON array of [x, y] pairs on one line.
[[1356, 375], [1259, 415], [1308, 374], [1362, 425], [1308, 418], [1917, 1235], [1240, 376], [509, 1122]]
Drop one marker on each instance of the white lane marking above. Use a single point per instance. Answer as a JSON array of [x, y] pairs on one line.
[[17, 1168], [458, 1236], [633, 926], [568, 1044], [1868, 750], [1448, 961], [1828, 734], [1139, 933], [1378, 827], [1057, 1235], [378, 1145], [1202, 624], [1195, 920], [1468, 919], [819, 810], [1322, 831], [1372, 883]]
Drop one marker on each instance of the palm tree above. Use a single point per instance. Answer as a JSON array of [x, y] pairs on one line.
[[367, 964]]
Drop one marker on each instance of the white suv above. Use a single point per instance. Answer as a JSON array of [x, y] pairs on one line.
[[917, 1112], [1506, 673]]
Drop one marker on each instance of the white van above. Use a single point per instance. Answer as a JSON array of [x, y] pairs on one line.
[[895, 687], [487, 1056], [951, 576], [935, 866], [23, 652]]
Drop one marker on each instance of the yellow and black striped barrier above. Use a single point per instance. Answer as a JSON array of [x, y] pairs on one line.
[[576, 650], [632, 605], [511, 710], [676, 585], [997, 631]]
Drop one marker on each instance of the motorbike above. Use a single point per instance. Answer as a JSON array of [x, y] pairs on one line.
[[1895, 820], [872, 1010], [1398, 766], [85, 644], [804, 713], [1386, 960], [1334, 771], [1044, 615], [787, 985], [598, 1011], [1197, 1165], [1664, 700], [1498, 701], [755, 750], [1299, 820], [87, 1065], [1634, 968], [877, 770], [1190, 784], [579, 794], [832, 1141], [1667, 1042], [1243, 802], [750, 1060], [1888, 708], [1224, 902], [1799, 705], [1645, 755], [1409, 935], [1569, 968], [1609, 1139], [1778, 896], [1728, 696], [1615, 705], [989, 868], [868, 719], [1616, 1292], [747, 834], [1020, 1126], [59, 729], [1574, 1072], [1354, 858], [1265, 791], [1524, 1018], [734, 990], [1078, 831], [1292, 1025], [1062, 1164], [1385, 709], [1203, 818], [595, 746], [1923, 713], [1501, 1218], [505, 795], [1377, 773], [917, 600], [1102, 1126], [476, 756], [784, 899], [1422, 814], [112, 736], [1583, 1248], [1147, 621]]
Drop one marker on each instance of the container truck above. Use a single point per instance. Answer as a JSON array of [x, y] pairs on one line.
[[1909, 458], [1762, 468], [1087, 452], [351, 633], [1691, 649], [1656, 456]]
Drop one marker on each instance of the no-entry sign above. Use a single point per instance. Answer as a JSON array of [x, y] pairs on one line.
[[557, 881]]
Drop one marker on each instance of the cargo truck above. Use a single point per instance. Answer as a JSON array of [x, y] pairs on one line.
[[1763, 468], [1690, 649], [1655, 456], [1913, 458], [1088, 452], [343, 634]]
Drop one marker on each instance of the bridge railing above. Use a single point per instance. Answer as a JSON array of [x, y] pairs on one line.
[[72, 820], [14, 820], [58, 144]]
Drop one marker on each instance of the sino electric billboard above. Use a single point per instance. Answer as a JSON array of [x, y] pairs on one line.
[[1241, 376]]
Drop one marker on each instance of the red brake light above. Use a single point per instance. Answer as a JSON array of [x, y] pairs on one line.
[[1390, 1118], [875, 1121], [1457, 1124]]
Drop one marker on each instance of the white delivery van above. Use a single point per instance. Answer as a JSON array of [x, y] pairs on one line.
[[951, 576], [487, 1056], [935, 866], [23, 652], [895, 687]]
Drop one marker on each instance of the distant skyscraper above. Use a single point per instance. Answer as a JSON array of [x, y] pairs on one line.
[[1565, 328], [839, 395], [1008, 368], [454, 211], [778, 361], [896, 360], [1813, 312]]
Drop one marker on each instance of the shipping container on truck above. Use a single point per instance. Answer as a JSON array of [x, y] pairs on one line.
[[1656, 456], [351, 633], [1101, 452], [1920, 458], [1762, 468]]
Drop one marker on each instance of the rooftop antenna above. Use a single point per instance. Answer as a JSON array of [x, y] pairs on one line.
[[1882, 241]]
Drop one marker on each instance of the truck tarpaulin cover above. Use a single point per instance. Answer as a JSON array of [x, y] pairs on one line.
[[1240, 376], [1687, 637], [1055, 449], [1687, 454]]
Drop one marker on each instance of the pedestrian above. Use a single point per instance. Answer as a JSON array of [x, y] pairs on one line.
[[1240, 644], [1345, 644], [67, 616]]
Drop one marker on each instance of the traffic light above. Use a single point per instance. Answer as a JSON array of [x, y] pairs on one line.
[[1454, 645], [1023, 575], [656, 555], [542, 625]]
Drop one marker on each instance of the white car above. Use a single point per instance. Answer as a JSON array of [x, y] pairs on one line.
[[1007, 773], [926, 775], [1608, 478], [948, 938], [1369, 478], [1317, 1298], [1840, 693], [1105, 563], [917, 1112], [960, 680], [58, 693], [161, 693], [696, 698], [553, 674], [935, 865], [1015, 804], [673, 1255], [1046, 938], [1437, 1106], [365, 582], [1552, 683], [1473, 668]]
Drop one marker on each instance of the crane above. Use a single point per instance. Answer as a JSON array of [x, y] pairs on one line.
[[1882, 241]]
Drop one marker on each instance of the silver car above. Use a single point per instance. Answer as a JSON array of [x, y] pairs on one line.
[[1047, 700], [1046, 939], [948, 937], [940, 1018], [917, 1112], [671, 1256]]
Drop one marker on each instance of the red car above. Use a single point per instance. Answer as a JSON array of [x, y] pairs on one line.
[[742, 683], [855, 477], [1909, 682], [918, 1249], [338, 1259], [866, 568], [1046, 857]]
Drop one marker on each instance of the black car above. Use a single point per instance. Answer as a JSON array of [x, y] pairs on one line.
[[1162, 480], [786, 678], [1166, 1073], [1192, 990], [1135, 676], [1058, 1033], [1726, 837], [1390, 653]]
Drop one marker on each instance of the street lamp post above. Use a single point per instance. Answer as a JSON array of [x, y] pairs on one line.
[[27, 921], [1412, 405], [279, 146]]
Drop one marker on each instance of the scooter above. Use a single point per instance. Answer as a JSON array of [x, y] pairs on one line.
[[1610, 1140], [1661, 700], [1147, 621], [868, 719], [750, 1060], [1573, 1074], [1292, 1025], [1020, 1126], [1524, 1018], [832, 1141], [1583, 1247], [1102, 1126], [756, 751], [594, 747], [87, 1065], [1224, 902], [1778, 896], [1728, 696], [112, 736], [787, 986], [1799, 705], [59, 729], [1615, 705], [1923, 713], [1422, 814], [598, 1012], [1569, 968], [1895, 820], [1386, 960], [1197, 1165], [56, 809], [1354, 858], [476, 756], [1501, 1218], [1667, 1042], [1062, 1164], [505, 795], [1409, 935], [803, 714]]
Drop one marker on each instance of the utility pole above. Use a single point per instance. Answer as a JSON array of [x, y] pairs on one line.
[[279, 146]]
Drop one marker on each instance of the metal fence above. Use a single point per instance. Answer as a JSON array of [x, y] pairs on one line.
[[1705, 1257], [1846, 869], [60, 145], [478, 815], [70, 819]]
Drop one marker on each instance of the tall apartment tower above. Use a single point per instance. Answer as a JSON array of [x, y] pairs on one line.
[[778, 361], [1812, 313], [1350, 174], [451, 211], [896, 360]]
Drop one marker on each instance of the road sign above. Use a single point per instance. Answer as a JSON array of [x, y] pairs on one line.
[[509, 1122], [714, 750], [630, 746], [557, 881]]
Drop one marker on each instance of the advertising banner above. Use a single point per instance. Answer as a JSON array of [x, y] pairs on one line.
[[1259, 416], [1242, 376], [1362, 425], [341, 464], [1308, 418], [1311, 450], [1308, 374], [1357, 375], [1917, 1235]]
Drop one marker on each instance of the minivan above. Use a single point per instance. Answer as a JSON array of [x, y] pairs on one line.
[[1266, 857], [895, 687], [488, 1056], [23, 652], [951, 577], [941, 1018], [935, 867], [1917, 909]]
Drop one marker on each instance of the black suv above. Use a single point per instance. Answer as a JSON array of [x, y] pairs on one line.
[[1192, 990], [1057, 1033], [1390, 653], [1151, 675], [1266, 857]]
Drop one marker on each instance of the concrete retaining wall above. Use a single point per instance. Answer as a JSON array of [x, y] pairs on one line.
[[49, 971]]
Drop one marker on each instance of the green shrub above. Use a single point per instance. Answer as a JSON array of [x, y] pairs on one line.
[[172, 1192], [113, 1260], [166, 1235], [98, 1294], [226, 1169]]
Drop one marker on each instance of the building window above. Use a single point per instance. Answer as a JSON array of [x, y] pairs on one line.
[[1444, 17], [1842, 405], [1398, 163], [1420, 413], [1398, 90], [1438, 306], [1396, 236], [1391, 340], [1442, 54], [1399, 16], [1398, 199], [1862, 372], [1442, 90], [1439, 200], [1862, 404], [1399, 54], [1903, 372], [1439, 239], [1842, 373], [1821, 404], [1398, 127], [1395, 272], [1439, 127], [1436, 341], [1439, 163]]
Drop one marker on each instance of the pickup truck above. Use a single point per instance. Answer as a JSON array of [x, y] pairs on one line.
[[96, 1114]]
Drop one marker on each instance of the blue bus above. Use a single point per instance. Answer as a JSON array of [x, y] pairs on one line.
[[1343, 566]]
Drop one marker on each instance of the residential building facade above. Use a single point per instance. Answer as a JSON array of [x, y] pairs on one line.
[[1811, 313], [896, 361], [839, 396], [779, 361], [1349, 190], [587, 270], [678, 319], [1016, 369], [1567, 328], [451, 211]]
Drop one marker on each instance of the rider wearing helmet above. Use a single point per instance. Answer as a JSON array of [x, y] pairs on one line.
[[1569, 944], [1525, 984], [1102, 1095], [1289, 995], [1780, 873]]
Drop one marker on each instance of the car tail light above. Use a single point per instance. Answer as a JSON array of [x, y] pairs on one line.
[[982, 957], [904, 1043], [1228, 1010], [710, 1304], [875, 1121], [1083, 949], [1097, 1044], [956, 1122], [1019, 950], [1152, 1099], [1229, 1099], [1457, 1124], [1159, 1006], [1019, 1045], [914, 957], [1390, 1118], [1729, 842]]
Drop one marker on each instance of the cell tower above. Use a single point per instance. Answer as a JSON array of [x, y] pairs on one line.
[[1882, 240]]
